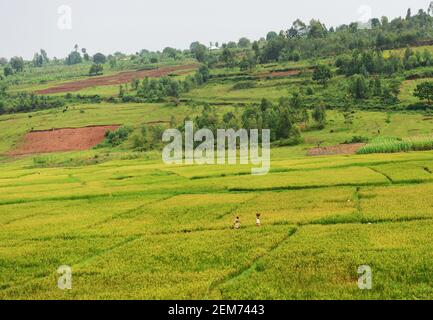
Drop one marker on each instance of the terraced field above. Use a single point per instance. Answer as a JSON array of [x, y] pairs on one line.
[[132, 227], [141, 229]]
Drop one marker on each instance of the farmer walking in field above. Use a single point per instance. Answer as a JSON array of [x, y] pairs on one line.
[[258, 222], [237, 224]]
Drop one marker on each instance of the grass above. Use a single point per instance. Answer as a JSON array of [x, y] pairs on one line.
[[14, 126], [392, 145], [140, 229], [132, 227]]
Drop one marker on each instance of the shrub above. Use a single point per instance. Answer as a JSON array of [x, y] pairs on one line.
[[356, 139], [96, 69], [115, 138]]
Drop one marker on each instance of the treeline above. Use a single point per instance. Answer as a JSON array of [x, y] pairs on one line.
[[312, 40], [374, 62], [25, 102], [315, 39], [28, 102], [156, 90], [285, 119], [301, 41]]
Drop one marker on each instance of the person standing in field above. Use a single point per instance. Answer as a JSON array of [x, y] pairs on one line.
[[237, 224], [258, 222]]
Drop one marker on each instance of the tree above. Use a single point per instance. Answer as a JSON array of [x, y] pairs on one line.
[[424, 91], [121, 91], [85, 54], [322, 74], [112, 61], [199, 51], [96, 69], [430, 8], [204, 73], [44, 56], [284, 125], [375, 23], [17, 64], [3, 88], [135, 83], [244, 43], [319, 115], [170, 52], [316, 29], [271, 35], [228, 58], [297, 30], [296, 101], [377, 87], [408, 14], [248, 62], [3, 61], [305, 116], [256, 48], [73, 58], [232, 45], [358, 87], [99, 58], [38, 60], [8, 71]]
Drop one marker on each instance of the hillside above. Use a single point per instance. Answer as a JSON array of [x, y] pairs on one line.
[[350, 115]]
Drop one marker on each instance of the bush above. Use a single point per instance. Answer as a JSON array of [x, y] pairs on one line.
[[149, 138], [357, 139], [96, 69], [115, 138]]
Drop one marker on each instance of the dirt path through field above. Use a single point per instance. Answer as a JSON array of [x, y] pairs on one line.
[[116, 79], [332, 150]]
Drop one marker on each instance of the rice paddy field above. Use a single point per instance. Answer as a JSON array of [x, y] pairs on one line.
[[141, 229], [132, 227]]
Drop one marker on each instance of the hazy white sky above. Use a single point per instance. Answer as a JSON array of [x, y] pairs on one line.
[[131, 25]]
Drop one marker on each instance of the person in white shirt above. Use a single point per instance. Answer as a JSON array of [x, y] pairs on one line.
[[237, 224]]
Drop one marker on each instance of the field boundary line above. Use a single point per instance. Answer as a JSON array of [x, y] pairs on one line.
[[237, 206], [235, 274], [129, 211], [383, 174]]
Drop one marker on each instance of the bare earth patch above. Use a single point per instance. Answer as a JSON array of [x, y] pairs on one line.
[[65, 139], [333, 150], [116, 79], [280, 74]]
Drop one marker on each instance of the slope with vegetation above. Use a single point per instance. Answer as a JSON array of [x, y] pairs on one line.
[[133, 227]]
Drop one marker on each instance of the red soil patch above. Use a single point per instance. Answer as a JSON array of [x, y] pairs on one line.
[[66, 139], [116, 79], [287, 73], [340, 149]]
